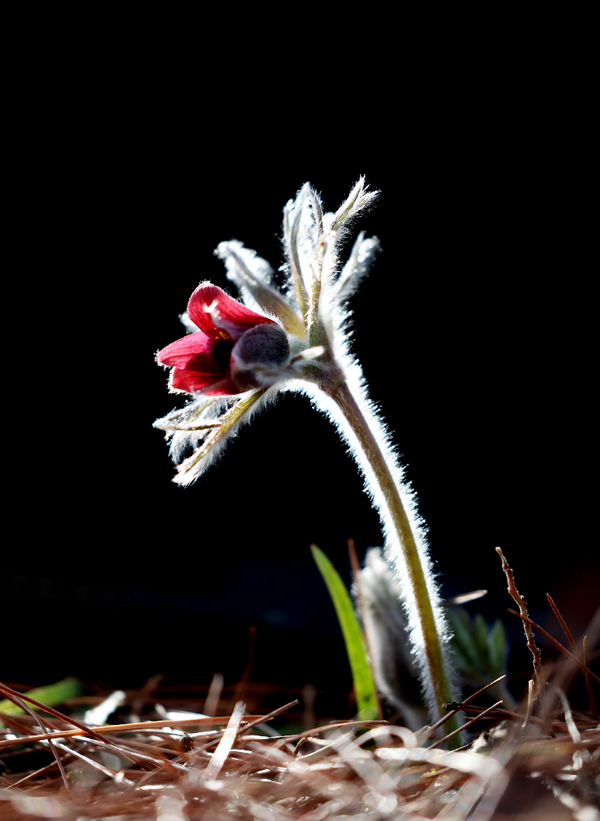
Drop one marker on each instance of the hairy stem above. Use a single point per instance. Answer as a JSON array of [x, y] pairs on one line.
[[398, 524]]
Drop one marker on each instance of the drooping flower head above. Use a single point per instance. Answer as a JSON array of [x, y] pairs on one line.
[[234, 350], [239, 356]]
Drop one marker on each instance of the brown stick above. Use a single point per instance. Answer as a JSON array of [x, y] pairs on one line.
[[453, 707], [585, 659], [522, 605], [468, 724], [557, 644], [562, 623]]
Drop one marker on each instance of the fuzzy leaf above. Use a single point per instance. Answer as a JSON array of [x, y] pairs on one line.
[[357, 266], [362, 677], [291, 227], [240, 262], [189, 470]]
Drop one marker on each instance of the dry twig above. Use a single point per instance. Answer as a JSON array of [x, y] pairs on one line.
[[522, 605]]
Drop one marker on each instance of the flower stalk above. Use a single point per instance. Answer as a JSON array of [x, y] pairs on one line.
[[237, 359], [422, 593]]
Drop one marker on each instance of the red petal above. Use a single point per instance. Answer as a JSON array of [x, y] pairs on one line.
[[194, 369], [195, 382], [182, 352], [211, 309]]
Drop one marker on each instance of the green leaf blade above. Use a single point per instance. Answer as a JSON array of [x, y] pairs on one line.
[[50, 694], [365, 691]]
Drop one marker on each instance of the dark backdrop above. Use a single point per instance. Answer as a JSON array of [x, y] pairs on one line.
[[479, 302]]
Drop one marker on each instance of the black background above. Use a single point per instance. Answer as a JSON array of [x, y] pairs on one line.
[[474, 330]]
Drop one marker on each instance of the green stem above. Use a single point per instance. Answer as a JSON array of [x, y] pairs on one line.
[[439, 679]]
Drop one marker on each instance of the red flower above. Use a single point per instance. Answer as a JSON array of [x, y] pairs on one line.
[[230, 353]]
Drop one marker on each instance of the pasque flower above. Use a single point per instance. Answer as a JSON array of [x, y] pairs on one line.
[[234, 349], [295, 338]]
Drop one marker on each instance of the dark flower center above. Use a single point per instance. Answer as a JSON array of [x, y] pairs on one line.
[[263, 345], [262, 348], [222, 352]]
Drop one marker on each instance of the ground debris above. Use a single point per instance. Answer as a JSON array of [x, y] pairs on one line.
[[187, 767]]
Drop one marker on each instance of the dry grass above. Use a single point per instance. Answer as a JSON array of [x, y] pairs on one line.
[[538, 763], [543, 760]]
